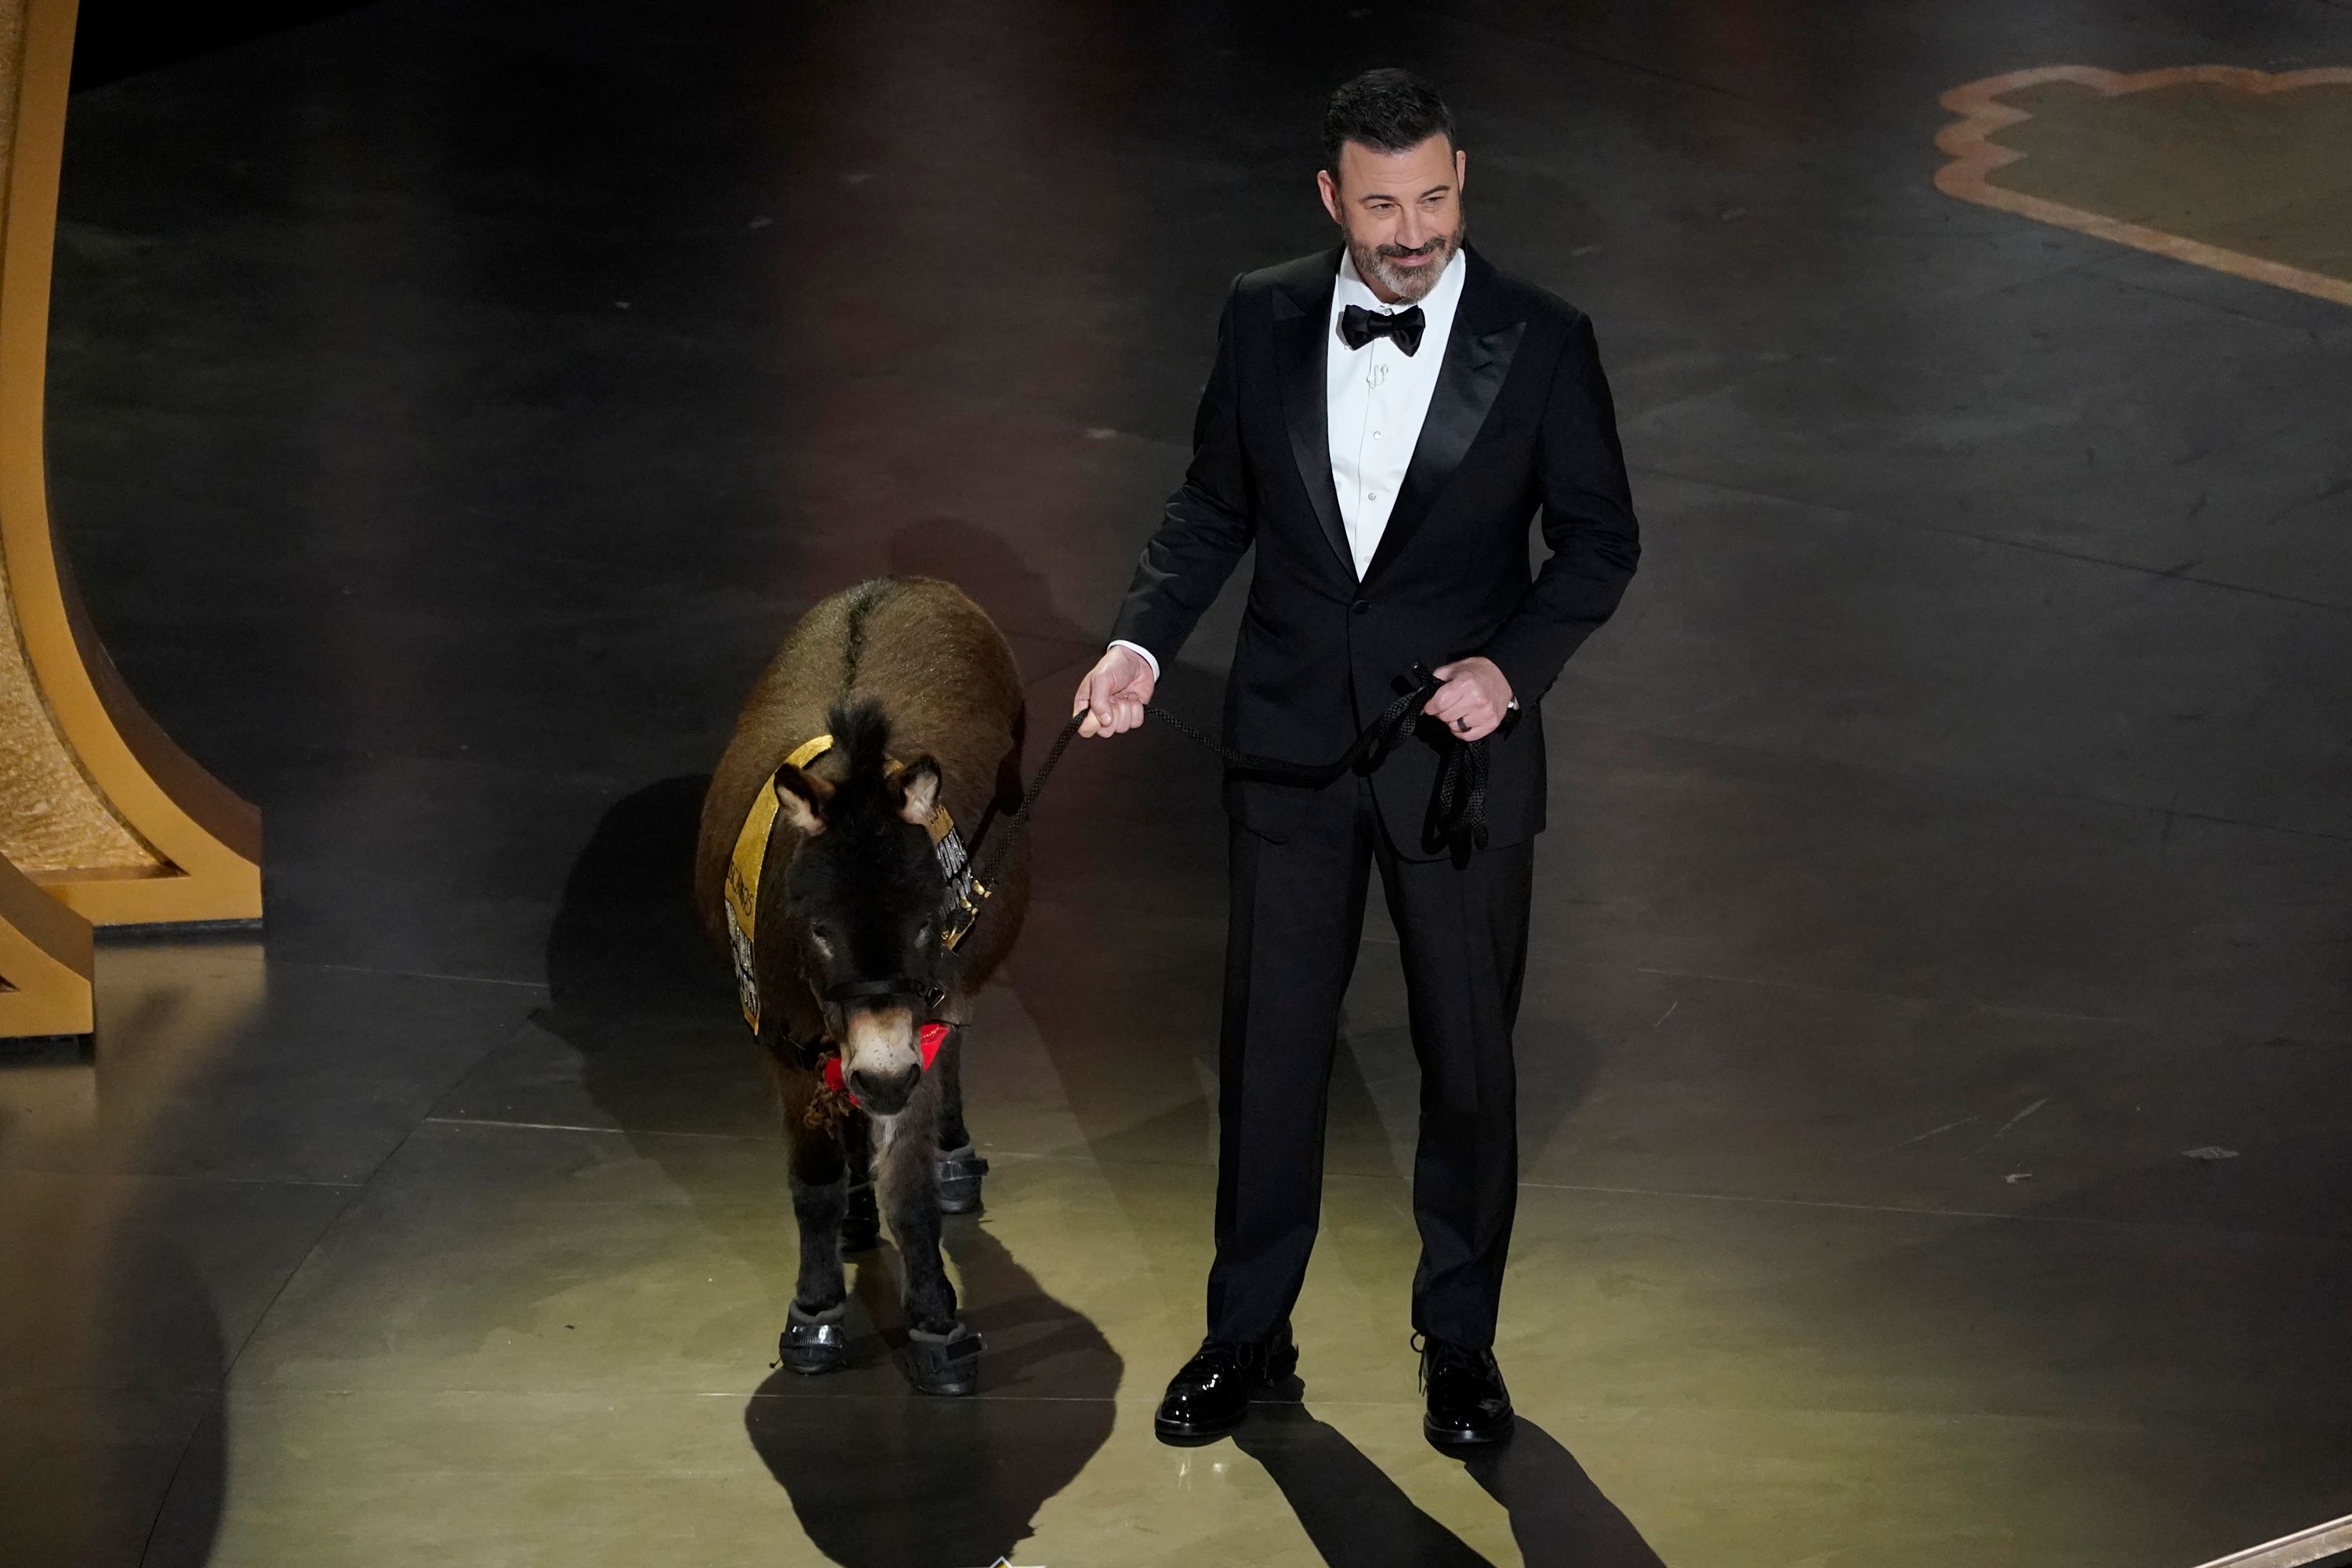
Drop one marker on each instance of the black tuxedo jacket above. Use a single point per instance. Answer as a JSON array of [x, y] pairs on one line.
[[1520, 424]]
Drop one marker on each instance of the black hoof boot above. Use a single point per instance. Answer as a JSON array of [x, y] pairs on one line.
[[815, 1343], [861, 1219], [945, 1363], [960, 1171]]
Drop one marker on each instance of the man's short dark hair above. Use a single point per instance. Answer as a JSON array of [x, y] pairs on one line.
[[1388, 109]]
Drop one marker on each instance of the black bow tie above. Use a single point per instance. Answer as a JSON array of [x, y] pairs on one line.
[[1361, 326]]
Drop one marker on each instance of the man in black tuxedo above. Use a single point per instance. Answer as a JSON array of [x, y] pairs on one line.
[[1383, 422]]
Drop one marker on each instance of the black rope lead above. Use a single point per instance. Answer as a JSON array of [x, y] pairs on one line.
[[1458, 808]]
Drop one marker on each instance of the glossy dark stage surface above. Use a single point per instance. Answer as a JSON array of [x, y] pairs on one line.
[[451, 404]]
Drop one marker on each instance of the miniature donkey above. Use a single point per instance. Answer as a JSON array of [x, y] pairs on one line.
[[852, 904]]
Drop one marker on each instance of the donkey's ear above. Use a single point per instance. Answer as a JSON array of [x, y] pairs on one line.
[[919, 791], [803, 798]]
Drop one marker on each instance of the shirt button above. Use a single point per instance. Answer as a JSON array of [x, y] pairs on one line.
[[1376, 434]]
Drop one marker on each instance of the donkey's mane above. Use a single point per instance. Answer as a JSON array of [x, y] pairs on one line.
[[861, 732]]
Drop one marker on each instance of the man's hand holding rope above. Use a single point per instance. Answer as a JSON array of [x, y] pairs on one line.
[[1113, 693], [1474, 698]]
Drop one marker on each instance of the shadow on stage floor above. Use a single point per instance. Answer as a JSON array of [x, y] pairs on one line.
[[1357, 1516]]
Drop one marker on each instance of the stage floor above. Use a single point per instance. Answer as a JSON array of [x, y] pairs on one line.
[[1934, 1067]]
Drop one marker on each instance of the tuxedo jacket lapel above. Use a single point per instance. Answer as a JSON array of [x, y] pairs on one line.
[[1478, 360], [1299, 322]]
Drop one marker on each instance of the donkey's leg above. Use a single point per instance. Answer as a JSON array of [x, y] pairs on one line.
[[815, 1339], [949, 1070], [819, 1196], [959, 1167], [908, 1148], [861, 1219], [942, 1355]]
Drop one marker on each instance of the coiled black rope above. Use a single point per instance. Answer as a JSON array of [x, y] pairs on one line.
[[1458, 811]]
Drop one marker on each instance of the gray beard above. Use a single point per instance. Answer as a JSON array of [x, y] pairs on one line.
[[1410, 285]]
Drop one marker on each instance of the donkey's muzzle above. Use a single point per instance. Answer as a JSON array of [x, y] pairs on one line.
[[884, 1093]]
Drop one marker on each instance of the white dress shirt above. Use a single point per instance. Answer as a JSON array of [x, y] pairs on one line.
[[1375, 400]]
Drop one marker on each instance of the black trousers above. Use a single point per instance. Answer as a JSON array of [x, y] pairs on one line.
[[1298, 917]]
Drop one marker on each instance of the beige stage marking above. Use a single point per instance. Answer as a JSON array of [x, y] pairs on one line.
[[1976, 157]]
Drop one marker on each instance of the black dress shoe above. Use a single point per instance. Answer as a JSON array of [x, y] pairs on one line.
[[1467, 1402], [1211, 1393]]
